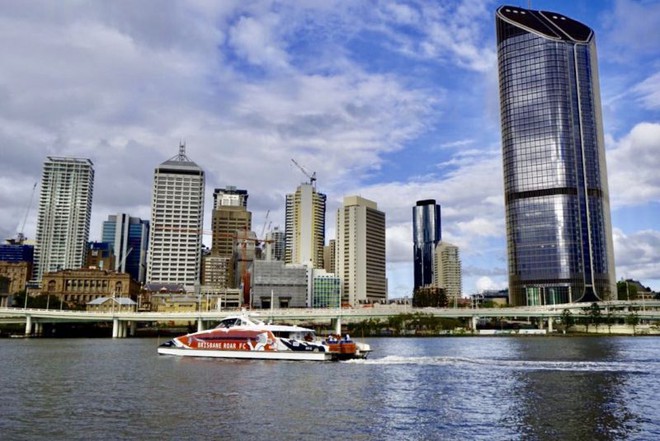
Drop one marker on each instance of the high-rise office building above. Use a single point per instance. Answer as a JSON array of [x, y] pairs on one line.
[[177, 217], [426, 235], [65, 209], [230, 219], [447, 273], [305, 226], [360, 251], [555, 181], [129, 237], [230, 215]]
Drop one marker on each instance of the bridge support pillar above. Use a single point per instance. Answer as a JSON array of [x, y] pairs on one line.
[[115, 328], [475, 320], [133, 327], [200, 325], [28, 325], [335, 323], [123, 329], [38, 328], [550, 322]]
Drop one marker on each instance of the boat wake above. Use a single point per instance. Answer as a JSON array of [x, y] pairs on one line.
[[504, 364]]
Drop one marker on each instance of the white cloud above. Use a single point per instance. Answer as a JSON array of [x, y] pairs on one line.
[[649, 91], [637, 255], [633, 165], [485, 283]]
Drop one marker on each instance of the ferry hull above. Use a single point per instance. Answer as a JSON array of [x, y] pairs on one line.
[[253, 355]]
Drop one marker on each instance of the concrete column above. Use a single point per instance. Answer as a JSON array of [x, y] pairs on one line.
[[28, 325], [200, 325], [115, 328], [132, 329], [475, 320], [550, 320], [38, 328], [336, 325]]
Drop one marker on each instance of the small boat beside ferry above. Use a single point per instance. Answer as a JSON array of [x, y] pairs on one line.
[[245, 337]]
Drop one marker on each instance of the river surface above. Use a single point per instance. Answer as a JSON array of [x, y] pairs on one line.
[[449, 388]]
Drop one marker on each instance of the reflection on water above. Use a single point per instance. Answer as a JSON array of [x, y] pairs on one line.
[[410, 389], [581, 403]]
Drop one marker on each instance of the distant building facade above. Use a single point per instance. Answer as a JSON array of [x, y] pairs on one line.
[[100, 256], [559, 234], [177, 217], [65, 209], [360, 251], [275, 244], [447, 274], [77, 287], [426, 235], [286, 284], [305, 226], [326, 290], [129, 237], [16, 265]]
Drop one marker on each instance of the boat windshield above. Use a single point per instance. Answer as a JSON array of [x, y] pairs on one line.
[[229, 322]]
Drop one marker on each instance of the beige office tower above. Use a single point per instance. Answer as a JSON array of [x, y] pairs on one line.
[[447, 271], [177, 216], [329, 256], [230, 215], [305, 226], [65, 208], [360, 251]]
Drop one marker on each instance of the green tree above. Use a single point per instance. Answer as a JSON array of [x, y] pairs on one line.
[[626, 290], [567, 319]]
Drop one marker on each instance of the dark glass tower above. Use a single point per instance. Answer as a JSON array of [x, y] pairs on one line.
[[559, 234], [426, 235]]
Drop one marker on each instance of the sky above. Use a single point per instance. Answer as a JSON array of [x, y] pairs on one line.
[[395, 101]]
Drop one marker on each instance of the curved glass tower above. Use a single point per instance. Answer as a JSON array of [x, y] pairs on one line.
[[426, 235], [559, 235]]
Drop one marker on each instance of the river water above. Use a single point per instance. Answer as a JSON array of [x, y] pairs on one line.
[[450, 388]]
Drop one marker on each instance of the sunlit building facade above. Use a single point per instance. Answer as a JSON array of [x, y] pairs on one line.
[[559, 235], [177, 216], [65, 210]]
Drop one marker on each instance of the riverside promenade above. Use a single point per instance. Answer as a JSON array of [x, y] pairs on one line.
[[124, 323]]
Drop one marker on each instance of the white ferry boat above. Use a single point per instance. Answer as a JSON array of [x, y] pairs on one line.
[[244, 337]]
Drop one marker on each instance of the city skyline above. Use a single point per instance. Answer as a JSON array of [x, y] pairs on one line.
[[395, 102]]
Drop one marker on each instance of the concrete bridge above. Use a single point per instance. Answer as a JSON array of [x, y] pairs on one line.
[[124, 323]]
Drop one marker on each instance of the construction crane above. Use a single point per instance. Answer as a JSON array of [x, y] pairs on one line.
[[20, 237], [312, 177], [263, 229]]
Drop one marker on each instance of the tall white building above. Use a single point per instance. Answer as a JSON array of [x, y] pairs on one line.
[[65, 209], [447, 271], [305, 226], [360, 251], [177, 217]]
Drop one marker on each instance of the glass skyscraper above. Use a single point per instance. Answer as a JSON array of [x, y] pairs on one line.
[[426, 235], [559, 236], [129, 237]]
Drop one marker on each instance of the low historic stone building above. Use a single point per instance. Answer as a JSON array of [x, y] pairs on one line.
[[110, 304], [18, 274], [77, 287]]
